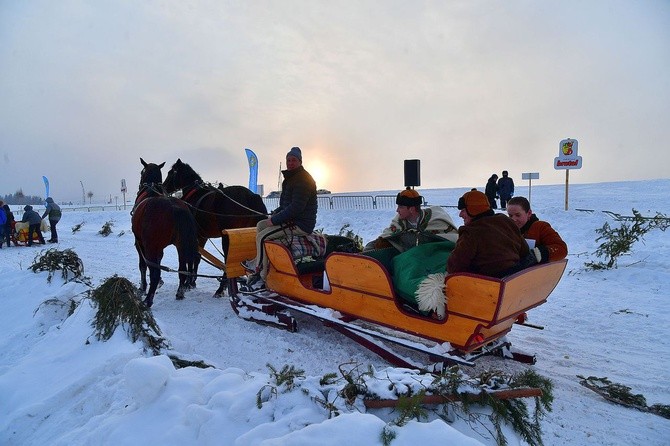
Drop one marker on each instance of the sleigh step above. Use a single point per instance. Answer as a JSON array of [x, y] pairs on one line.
[[263, 312]]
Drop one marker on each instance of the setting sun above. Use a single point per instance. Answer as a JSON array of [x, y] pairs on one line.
[[320, 174]]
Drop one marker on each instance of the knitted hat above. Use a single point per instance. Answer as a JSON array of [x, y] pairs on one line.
[[295, 151], [50, 200], [409, 197], [27, 207], [474, 202]]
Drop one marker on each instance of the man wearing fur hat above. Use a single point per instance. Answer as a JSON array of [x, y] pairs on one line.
[[413, 225], [295, 216], [489, 244]]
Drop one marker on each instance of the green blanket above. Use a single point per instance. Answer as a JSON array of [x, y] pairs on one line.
[[412, 266]]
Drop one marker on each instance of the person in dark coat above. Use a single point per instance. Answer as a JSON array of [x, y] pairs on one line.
[[491, 191], [295, 216], [9, 226], [3, 224], [53, 211], [489, 244], [505, 189], [34, 222]]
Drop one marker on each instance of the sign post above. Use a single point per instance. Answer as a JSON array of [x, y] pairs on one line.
[[123, 190], [530, 176], [567, 159]]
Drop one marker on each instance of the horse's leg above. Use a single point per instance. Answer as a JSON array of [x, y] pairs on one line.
[[196, 262], [154, 276], [224, 279], [143, 269], [184, 278]]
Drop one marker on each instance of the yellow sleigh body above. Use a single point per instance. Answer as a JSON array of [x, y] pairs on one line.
[[479, 309]]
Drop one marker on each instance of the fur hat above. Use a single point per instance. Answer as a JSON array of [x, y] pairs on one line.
[[409, 197], [474, 203], [295, 151]]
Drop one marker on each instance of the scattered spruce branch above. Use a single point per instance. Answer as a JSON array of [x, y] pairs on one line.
[[621, 394], [118, 303], [619, 241], [77, 227], [347, 232], [287, 378], [106, 229], [66, 261], [182, 363]]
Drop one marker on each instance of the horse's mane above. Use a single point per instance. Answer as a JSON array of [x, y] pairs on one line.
[[187, 173]]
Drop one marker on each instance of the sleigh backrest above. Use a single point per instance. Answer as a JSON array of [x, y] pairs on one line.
[[493, 300]]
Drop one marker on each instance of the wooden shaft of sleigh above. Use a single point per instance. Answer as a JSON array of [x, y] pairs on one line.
[[526, 392]]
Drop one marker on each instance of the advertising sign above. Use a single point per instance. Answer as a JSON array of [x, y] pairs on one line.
[[567, 155]]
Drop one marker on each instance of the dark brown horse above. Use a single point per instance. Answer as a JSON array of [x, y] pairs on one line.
[[215, 208], [159, 221]]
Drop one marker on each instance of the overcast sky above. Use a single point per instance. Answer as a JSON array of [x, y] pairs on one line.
[[468, 87]]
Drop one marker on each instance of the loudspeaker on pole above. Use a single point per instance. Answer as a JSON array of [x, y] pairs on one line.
[[412, 173]]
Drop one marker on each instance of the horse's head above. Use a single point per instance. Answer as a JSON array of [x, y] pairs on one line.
[[180, 176], [151, 174]]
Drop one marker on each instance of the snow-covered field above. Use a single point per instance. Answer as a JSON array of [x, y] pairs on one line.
[[59, 385]]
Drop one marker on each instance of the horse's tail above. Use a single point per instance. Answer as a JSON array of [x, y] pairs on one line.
[[187, 234]]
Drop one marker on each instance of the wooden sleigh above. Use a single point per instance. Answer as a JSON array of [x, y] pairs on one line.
[[361, 303]]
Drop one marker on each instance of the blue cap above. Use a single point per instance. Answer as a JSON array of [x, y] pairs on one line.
[[295, 151]]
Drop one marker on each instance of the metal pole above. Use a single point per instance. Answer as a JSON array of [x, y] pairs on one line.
[[530, 184], [567, 174]]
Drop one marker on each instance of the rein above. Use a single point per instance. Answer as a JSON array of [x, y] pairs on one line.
[[212, 190]]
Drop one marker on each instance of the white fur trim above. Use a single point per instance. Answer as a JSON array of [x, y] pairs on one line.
[[430, 294]]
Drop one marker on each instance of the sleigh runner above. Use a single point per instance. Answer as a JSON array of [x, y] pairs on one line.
[[359, 292]]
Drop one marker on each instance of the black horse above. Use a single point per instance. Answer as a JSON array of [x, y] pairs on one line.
[[215, 208], [159, 221]]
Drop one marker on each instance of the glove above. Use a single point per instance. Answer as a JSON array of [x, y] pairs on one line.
[[538, 255], [541, 253]]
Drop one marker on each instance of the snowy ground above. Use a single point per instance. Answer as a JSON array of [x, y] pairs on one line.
[[59, 385]]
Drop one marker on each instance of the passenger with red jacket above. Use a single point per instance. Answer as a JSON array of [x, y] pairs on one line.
[[549, 246], [489, 244]]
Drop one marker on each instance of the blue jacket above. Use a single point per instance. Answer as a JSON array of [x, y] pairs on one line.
[[30, 216], [505, 187], [297, 203], [3, 217]]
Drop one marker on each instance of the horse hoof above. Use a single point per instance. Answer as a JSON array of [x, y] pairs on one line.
[[148, 303], [180, 297], [218, 295]]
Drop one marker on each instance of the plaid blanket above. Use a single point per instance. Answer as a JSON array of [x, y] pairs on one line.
[[302, 247]]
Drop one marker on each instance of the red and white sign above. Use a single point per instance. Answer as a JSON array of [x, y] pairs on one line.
[[567, 155]]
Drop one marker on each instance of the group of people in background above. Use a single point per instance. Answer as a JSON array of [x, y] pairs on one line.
[[34, 221], [502, 188]]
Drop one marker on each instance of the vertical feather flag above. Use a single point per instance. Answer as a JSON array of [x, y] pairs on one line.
[[46, 186], [253, 170]]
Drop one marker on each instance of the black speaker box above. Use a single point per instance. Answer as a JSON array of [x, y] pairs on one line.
[[412, 173]]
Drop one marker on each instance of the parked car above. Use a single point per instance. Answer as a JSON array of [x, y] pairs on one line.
[[322, 191], [275, 194]]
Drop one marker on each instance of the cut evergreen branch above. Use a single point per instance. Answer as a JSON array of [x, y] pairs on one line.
[[118, 303], [345, 231], [77, 227], [66, 261], [106, 229], [617, 242], [621, 394]]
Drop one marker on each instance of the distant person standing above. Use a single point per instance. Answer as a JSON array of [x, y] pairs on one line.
[[3, 224], [9, 227], [54, 213], [491, 191], [34, 221], [505, 189]]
